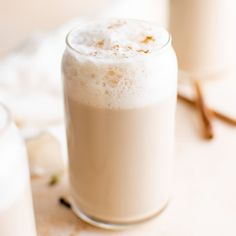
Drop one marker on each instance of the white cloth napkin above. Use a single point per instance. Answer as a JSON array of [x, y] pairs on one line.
[[31, 87]]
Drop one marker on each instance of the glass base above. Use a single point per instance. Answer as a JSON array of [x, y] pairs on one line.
[[111, 225]]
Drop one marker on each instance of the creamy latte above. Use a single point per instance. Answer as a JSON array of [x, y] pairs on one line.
[[120, 92]]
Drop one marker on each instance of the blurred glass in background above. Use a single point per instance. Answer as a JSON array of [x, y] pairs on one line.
[[204, 35]]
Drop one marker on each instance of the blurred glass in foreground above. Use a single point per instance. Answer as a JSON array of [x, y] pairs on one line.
[[16, 210]]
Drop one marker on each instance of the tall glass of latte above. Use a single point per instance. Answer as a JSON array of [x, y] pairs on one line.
[[16, 210], [120, 81]]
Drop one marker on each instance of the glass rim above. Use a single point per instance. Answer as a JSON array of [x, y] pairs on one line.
[[153, 53], [7, 121]]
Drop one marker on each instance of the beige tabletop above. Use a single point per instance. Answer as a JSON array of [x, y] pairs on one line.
[[204, 191]]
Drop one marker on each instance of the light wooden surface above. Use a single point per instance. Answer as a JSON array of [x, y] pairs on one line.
[[204, 191]]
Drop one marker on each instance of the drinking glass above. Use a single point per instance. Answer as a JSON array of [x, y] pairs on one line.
[[16, 209], [204, 35], [120, 116]]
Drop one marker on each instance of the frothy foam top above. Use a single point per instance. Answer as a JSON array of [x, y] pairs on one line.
[[118, 38], [119, 64]]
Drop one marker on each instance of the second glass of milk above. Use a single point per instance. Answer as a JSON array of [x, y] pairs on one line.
[[120, 79], [16, 209], [204, 35]]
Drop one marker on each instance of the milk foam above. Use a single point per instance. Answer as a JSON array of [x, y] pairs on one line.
[[119, 64], [13, 165], [118, 38]]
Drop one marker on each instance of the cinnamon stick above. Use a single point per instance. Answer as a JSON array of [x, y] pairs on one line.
[[186, 99], [204, 112], [220, 115], [224, 117]]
